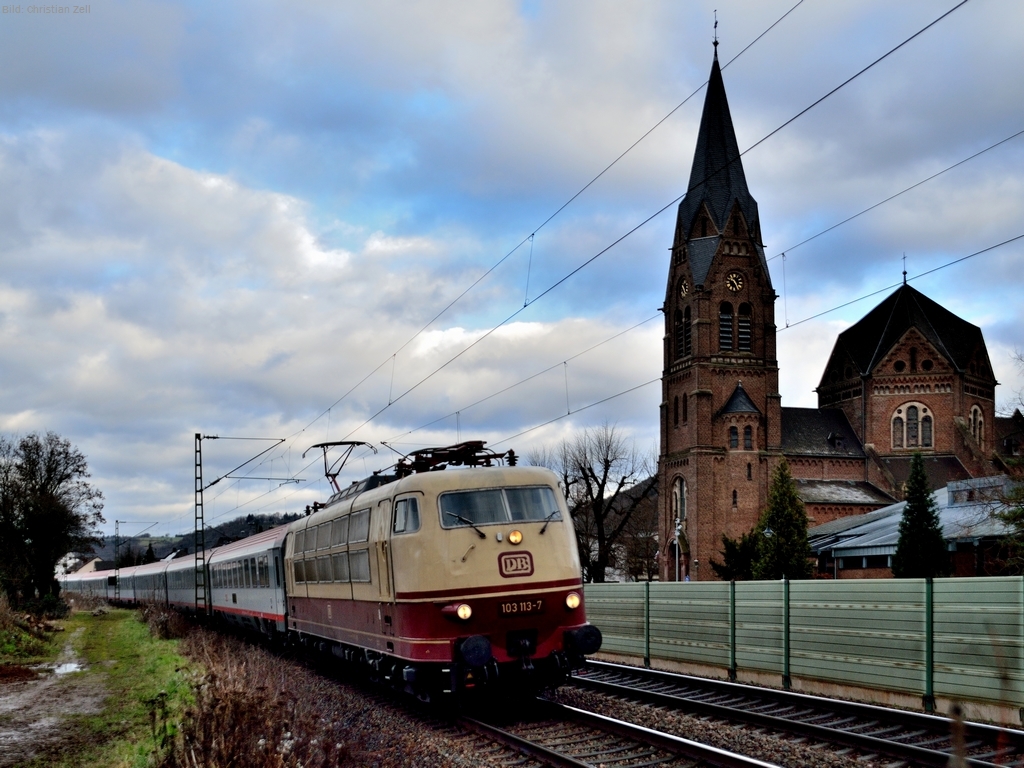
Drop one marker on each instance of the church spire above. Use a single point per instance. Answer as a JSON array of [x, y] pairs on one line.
[[716, 178]]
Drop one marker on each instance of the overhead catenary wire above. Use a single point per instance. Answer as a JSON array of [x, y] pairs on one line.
[[661, 210], [550, 218], [617, 241], [782, 253]]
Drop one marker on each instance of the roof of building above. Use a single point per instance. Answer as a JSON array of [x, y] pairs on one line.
[[967, 512], [739, 402], [716, 180], [1009, 434], [939, 470], [847, 492], [819, 432], [870, 339]]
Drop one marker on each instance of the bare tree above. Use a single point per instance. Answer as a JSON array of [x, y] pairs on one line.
[[598, 468], [47, 509]]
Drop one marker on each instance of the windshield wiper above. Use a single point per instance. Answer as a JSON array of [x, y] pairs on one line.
[[548, 519], [468, 522]]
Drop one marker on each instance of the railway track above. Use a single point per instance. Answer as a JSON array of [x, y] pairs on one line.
[[911, 739], [566, 737]]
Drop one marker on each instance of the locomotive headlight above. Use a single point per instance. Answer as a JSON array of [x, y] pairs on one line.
[[514, 537], [457, 611], [572, 601]]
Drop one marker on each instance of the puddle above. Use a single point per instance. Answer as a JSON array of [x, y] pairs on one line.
[[65, 669]]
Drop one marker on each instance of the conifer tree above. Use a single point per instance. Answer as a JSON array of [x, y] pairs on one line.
[[738, 557], [782, 548], [921, 550]]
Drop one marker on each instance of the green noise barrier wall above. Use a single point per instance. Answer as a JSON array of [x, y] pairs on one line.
[[955, 638]]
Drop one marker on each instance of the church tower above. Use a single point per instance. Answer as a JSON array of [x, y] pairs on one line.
[[721, 409]]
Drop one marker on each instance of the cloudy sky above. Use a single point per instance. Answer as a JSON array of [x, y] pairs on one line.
[[311, 220]]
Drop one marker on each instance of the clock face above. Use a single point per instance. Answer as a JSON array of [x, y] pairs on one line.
[[684, 288], [734, 281]]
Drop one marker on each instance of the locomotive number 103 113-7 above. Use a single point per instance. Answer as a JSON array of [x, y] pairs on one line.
[[520, 607]]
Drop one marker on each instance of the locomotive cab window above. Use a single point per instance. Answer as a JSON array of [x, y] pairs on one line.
[[500, 505], [407, 516]]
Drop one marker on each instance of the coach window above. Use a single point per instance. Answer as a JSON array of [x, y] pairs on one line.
[[407, 516], [323, 568], [340, 562], [359, 565], [340, 534], [323, 536], [253, 572], [359, 526]]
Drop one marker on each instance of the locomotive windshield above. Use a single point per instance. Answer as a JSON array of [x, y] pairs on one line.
[[498, 505]]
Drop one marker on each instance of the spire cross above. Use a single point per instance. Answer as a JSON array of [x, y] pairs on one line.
[[904, 268], [715, 41]]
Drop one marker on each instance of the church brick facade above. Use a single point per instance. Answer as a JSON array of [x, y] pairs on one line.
[[910, 376]]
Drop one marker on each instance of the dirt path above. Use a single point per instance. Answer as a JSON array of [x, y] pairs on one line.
[[35, 704]]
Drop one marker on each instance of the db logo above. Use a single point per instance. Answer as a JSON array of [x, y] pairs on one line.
[[515, 564]]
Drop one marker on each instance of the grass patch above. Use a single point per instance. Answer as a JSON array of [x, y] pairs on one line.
[[20, 643], [146, 684]]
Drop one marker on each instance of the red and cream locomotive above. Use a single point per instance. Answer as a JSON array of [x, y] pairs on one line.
[[438, 581]]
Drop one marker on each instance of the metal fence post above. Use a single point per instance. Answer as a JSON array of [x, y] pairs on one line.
[[785, 633], [929, 647], [732, 631], [647, 624]]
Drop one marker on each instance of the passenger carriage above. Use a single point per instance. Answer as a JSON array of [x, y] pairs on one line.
[[247, 583]]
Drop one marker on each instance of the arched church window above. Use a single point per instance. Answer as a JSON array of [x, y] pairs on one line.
[[750, 471], [735, 497], [687, 333], [725, 327], [912, 426], [926, 431], [675, 411], [897, 432], [686, 409], [913, 359], [734, 437], [748, 438], [977, 424], [743, 328]]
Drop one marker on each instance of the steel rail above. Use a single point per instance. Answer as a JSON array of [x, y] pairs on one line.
[[555, 717], [865, 727]]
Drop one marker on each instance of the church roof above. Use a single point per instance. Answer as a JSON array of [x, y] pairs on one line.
[[818, 432], [939, 470], [739, 402], [845, 492], [716, 177], [871, 338]]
